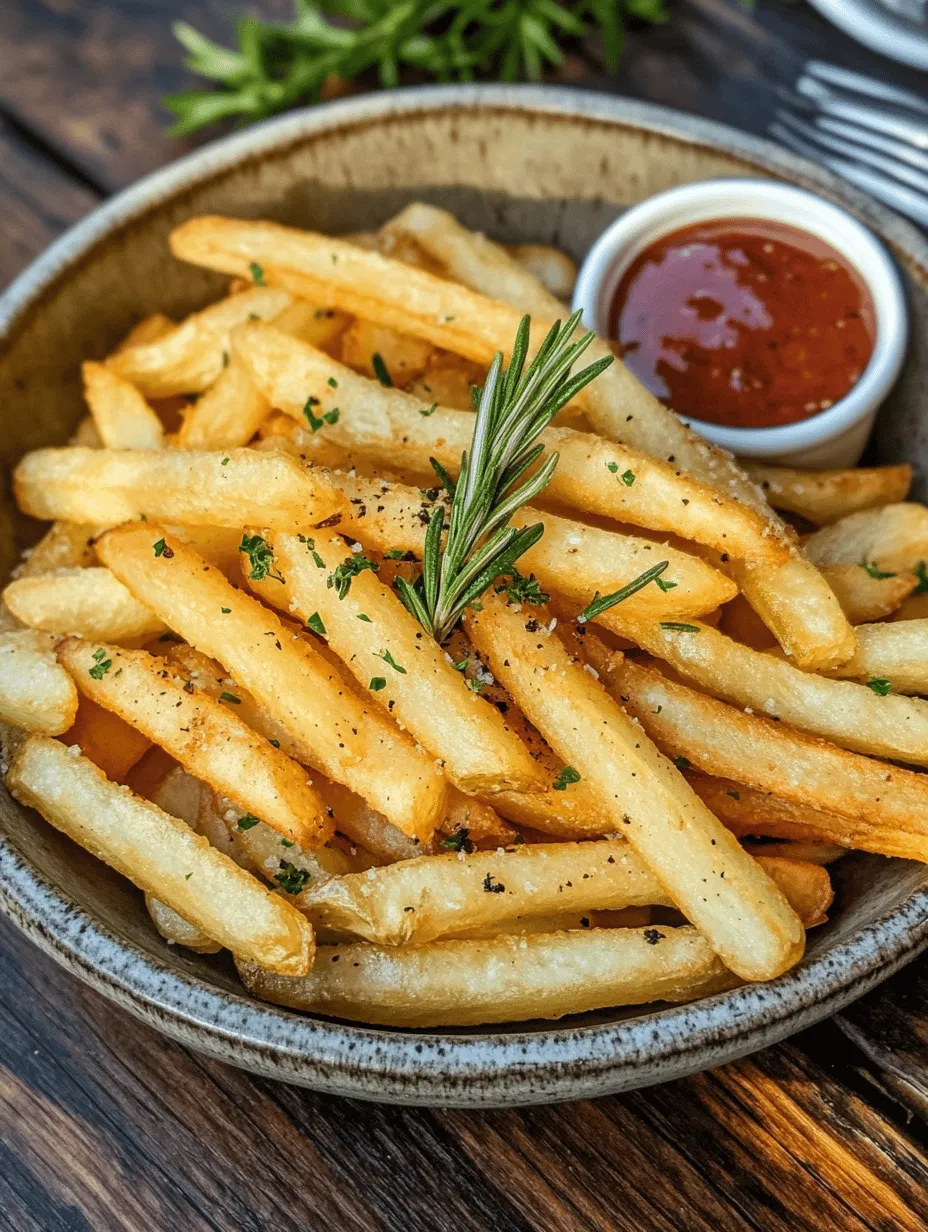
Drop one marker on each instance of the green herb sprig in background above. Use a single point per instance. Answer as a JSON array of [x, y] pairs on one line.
[[278, 66]]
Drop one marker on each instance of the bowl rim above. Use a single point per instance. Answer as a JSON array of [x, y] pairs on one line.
[[465, 1069]]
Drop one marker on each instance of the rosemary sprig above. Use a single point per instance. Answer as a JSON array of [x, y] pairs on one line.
[[277, 66], [602, 603], [516, 404]]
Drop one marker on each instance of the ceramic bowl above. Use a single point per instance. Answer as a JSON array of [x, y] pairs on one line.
[[520, 163]]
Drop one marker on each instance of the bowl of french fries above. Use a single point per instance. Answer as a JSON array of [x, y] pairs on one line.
[[395, 697]]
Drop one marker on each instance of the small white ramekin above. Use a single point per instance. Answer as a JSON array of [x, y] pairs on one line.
[[836, 437]]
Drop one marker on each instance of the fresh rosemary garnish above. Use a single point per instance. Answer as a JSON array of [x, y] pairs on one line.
[[277, 66], [602, 603], [516, 404]]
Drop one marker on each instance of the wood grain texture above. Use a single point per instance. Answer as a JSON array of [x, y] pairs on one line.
[[106, 1125]]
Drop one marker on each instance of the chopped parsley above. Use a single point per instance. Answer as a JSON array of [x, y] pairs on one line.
[[461, 664], [287, 842], [316, 421], [363, 616], [290, 878], [628, 478], [260, 556], [246, 822], [377, 683], [225, 696], [394, 554], [225, 610], [676, 627], [257, 274], [341, 577], [390, 661], [922, 574], [162, 549], [275, 743], [875, 571], [524, 590], [315, 625], [459, 840], [426, 411], [567, 776], [224, 462], [311, 548], [880, 686], [381, 372], [682, 763], [101, 664], [475, 686], [612, 466], [333, 383]]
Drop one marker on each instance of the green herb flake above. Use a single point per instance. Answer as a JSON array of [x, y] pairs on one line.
[[390, 661], [225, 610], [567, 776], [612, 466], [458, 840], [363, 616], [682, 763], [290, 878], [675, 627], [875, 571], [426, 411], [230, 697], [342, 576], [880, 686], [628, 478], [275, 743], [162, 549], [101, 664], [475, 686], [333, 383], [662, 585], [224, 462], [287, 842], [246, 822], [261, 558], [315, 625], [377, 683], [257, 274], [524, 590], [922, 574], [381, 372], [394, 554]]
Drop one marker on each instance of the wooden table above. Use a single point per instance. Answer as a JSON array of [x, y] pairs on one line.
[[105, 1125]]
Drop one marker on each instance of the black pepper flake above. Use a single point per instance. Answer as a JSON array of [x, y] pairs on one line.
[[653, 935], [492, 887]]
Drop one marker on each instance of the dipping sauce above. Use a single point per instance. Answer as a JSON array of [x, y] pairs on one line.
[[748, 323]]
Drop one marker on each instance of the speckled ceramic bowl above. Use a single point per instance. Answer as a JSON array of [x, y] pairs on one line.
[[521, 164]]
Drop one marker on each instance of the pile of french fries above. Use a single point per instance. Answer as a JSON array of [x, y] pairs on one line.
[[207, 678]]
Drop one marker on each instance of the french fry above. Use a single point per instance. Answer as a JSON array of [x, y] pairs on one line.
[[383, 354], [555, 270], [805, 853], [151, 772], [708, 876], [90, 602], [718, 739], [189, 358], [407, 672], [122, 417], [891, 539], [423, 899], [65, 545], [227, 415], [865, 598], [107, 740], [508, 979], [746, 811], [389, 426], [805, 885], [149, 329], [36, 693], [449, 380], [199, 489], [350, 741], [175, 929], [162, 856], [823, 497], [890, 656], [208, 739], [575, 559], [320, 327], [789, 595]]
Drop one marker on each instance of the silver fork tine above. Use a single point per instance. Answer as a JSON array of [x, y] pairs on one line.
[[893, 126], [908, 175], [859, 83], [884, 145], [897, 196]]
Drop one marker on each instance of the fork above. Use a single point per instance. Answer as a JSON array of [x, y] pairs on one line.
[[873, 134]]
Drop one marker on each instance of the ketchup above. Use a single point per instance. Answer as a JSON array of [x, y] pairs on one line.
[[744, 322]]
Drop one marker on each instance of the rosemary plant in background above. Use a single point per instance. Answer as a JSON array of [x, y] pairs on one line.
[[335, 41]]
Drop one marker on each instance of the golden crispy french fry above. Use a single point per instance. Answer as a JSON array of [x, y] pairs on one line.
[[804, 853], [423, 899], [36, 693], [189, 358], [572, 558], [151, 774], [107, 740], [472, 259], [458, 983], [384, 354], [320, 327], [199, 489], [554, 269], [709, 877], [805, 885], [843, 711], [149, 329], [227, 415], [823, 497], [208, 739], [65, 545], [407, 673], [162, 856], [176, 930], [892, 539], [746, 811], [890, 656], [122, 417], [789, 595], [350, 741], [449, 380], [90, 602], [593, 474], [865, 598], [718, 739]]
